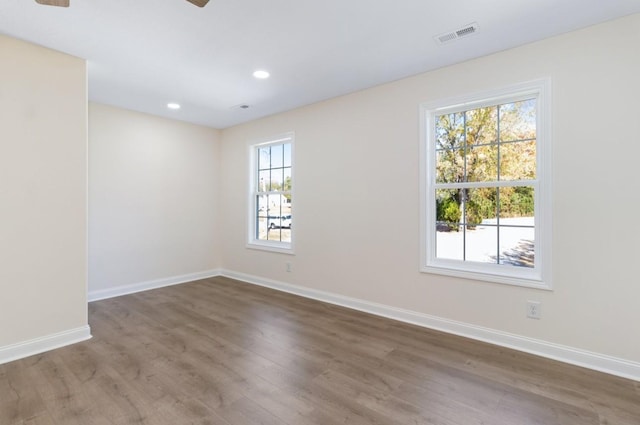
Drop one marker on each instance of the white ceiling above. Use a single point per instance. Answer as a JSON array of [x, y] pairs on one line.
[[144, 53]]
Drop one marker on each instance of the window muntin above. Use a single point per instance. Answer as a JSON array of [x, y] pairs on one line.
[[484, 194], [271, 194]]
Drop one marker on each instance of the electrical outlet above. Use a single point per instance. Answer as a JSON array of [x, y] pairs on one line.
[[288, 267], [534, 310]]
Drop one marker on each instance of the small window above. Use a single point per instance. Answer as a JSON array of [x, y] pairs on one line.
[[271, 217], [486, 201]]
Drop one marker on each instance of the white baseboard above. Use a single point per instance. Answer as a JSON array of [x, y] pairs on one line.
[[117, 291], [24, 349], [600, 362]]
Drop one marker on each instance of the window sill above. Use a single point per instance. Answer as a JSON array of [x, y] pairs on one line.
[[486, 276], [272, 247]]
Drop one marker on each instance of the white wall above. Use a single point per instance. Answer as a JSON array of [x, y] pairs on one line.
[[153, 217], [43, 199], [357, 195]]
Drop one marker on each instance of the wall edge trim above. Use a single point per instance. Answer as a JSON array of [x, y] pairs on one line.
[[566, 354], [117, 291], [41, 344]]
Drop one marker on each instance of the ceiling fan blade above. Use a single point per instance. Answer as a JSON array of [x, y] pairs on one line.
[[199, 3], [61, 3]]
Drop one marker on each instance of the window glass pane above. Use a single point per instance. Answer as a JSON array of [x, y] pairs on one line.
[[287, 180], [482, 126], [264, 158], [482, 163], [481, 236], [517, 205], [518, 120], [450, 131], [287, 155], [264, 181], [480, 206], [286, 205], [261, 217], [517, 226], [517, 246], [450, 166], [274, 212], [448, 211], [481, 243], [449, 242], [274, 203], [285, 235], [262, 205], [261, 228], [518, 160], [276, 156], [277, 177]]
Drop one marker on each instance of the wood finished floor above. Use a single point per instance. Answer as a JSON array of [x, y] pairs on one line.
[[218, 351]]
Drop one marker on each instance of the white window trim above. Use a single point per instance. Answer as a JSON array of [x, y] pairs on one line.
[[540, 276], [252, 242]]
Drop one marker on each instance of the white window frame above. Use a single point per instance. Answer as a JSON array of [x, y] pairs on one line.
[[252, 241], [540, 275]]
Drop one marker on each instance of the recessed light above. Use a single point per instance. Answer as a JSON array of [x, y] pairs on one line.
[[260, 74], [173, 105]]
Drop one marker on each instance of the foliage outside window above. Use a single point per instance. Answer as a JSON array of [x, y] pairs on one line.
[[486, 189], [271, 197]]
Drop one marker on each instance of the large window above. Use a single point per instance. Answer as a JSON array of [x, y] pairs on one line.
[[485, 205], [271, 216]]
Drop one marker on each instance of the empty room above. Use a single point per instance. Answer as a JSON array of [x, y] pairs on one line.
[[341, 212]]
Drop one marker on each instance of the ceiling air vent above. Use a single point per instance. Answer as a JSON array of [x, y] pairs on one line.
[[457, 34]]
